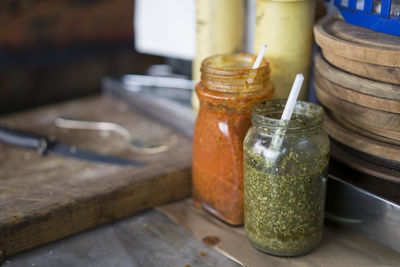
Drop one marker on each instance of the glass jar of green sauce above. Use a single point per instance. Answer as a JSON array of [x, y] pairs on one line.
[[284, 178]]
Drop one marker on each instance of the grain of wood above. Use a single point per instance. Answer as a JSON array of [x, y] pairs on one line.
[[363, 115], [393, 135], [43, 199], [356, 97], [355, 162], [370, 71], [361, 35], [339, 247], [388, 137], [361, 143], [145, 239], [373, 50], [363, 86]]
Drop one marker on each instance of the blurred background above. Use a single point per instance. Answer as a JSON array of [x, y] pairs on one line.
[[53, 50]]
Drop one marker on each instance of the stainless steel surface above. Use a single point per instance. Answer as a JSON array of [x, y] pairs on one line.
[[137, 145], [145, 239], [170, 106], [139, 81], [365, 203]]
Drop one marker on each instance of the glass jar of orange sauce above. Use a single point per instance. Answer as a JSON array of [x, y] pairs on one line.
[[227, 91]]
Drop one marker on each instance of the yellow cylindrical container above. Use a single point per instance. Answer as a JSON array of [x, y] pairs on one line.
[[220, 29], [286, 27]]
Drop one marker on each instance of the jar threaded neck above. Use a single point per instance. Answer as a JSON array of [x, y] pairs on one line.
[[306, 117], [233, 73]]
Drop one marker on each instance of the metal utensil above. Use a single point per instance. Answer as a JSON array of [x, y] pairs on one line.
[[137, 145], [43, 145]]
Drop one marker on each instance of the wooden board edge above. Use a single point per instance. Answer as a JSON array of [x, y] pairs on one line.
[[358, 112], [132, 198], [361, 143], [360, 165], [392, 135], [357, 97], [344, 48], [364, 132], [363, 69], [334, 73]]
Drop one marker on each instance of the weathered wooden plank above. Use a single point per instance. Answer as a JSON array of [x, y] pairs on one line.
[[145, 239], [339, 247], [46, 198]]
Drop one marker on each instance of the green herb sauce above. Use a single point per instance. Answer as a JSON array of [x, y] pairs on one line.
[[284, 202]]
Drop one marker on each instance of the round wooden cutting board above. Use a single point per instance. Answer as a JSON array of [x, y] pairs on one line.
[[361, 143], [364, 162], [356, 97], [333, 34], [369, 87], [363, 69], [361, 114], [375, 133]]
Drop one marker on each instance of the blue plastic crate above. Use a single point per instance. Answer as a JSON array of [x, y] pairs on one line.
[[366, 16]]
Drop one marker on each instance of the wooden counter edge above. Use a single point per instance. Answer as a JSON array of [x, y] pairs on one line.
[[121, 203]]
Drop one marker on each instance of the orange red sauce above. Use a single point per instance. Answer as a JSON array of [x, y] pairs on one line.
[[221, 126]]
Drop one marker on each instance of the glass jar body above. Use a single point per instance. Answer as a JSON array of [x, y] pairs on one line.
[[284, 188], [221, 125]]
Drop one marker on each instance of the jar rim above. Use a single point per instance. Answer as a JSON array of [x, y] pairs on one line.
[[308, 116], [233, 74], [233, 65]]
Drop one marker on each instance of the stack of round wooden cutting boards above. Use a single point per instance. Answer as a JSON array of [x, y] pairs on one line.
[[357, 80]]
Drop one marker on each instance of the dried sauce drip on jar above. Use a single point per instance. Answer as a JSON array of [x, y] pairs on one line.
[[227, 91]]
